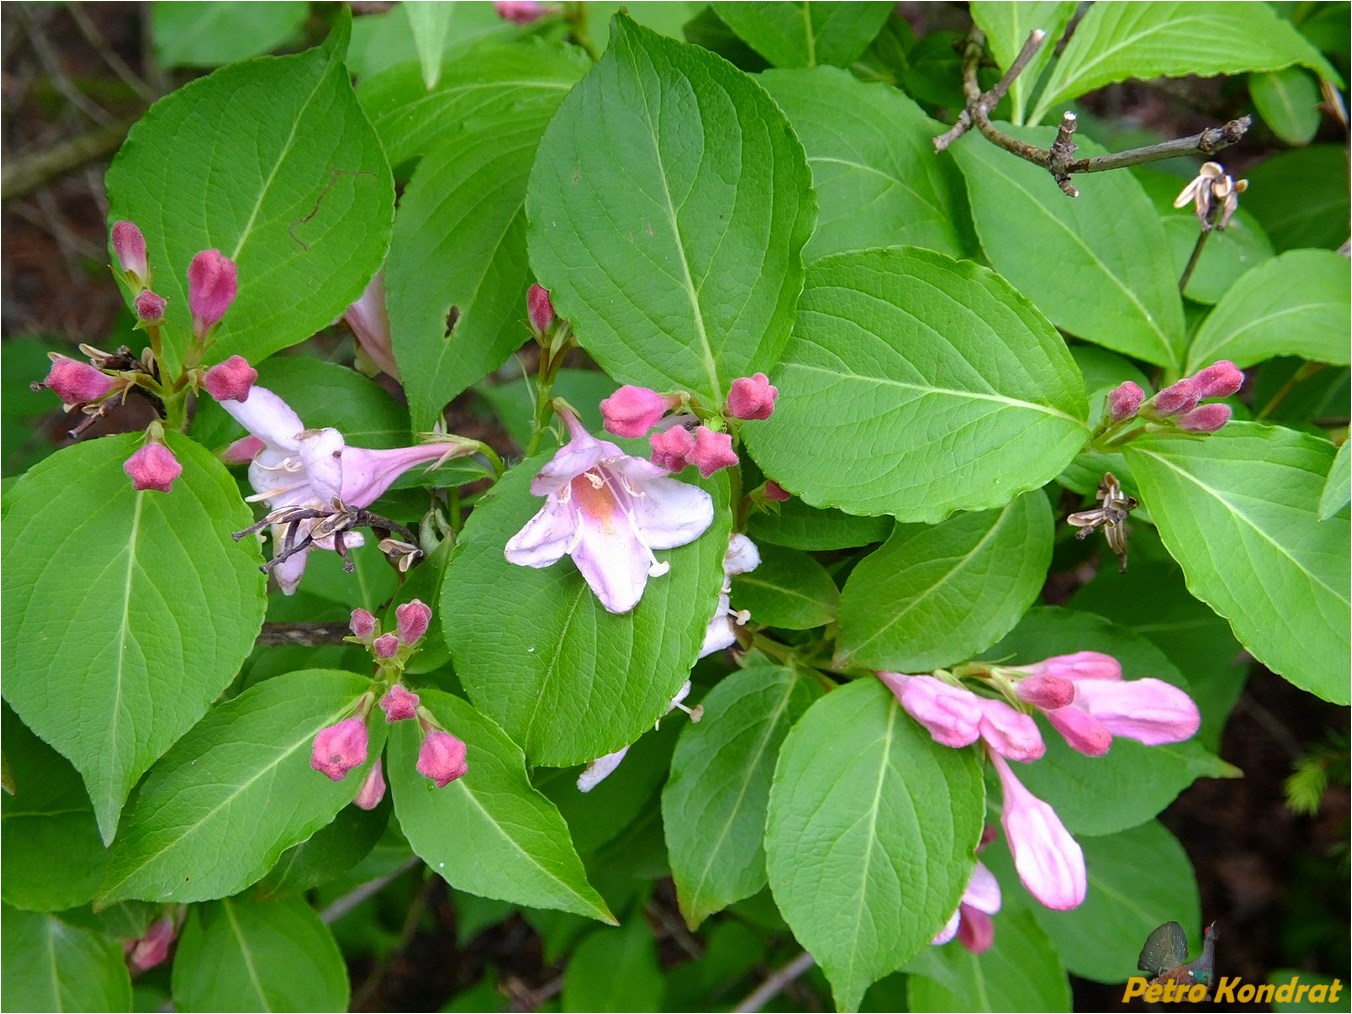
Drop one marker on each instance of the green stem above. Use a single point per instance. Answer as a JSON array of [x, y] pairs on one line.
[[577, 14], [1306, 371], [1196, 255]]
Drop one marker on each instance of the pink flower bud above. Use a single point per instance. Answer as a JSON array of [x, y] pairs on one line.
[[632, 411], [1081, 665], [713, 451], [399, 704], [1045, 691], [774, 491], [76, 383], [412, 619], [520, 12], [1177, 398], [386, 646], [1219, 380], [231, 380], [243, 450], [153, 948], [340, 748], [1081, 730], [672, 448], [539, 308], [1205, 418], [1050, 863], [951, 714], [971, 923], [363, 626], [149, 307], [1008, 732], [130, 247], [976, 930], [153, 466], [212, 279], [442, 758], [372, 789], [1124, 400], [1149, 711], [752, 397]]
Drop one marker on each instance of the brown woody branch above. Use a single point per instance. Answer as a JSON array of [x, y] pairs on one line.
[[1059, 158]]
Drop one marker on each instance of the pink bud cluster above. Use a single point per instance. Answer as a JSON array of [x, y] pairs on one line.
[[1180, 401], [411, 621], [1085, 698], [212, 281], [633, 411]]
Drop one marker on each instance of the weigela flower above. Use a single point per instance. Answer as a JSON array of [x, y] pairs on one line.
[[370, 325], [149, 307], [76, 383], [774, 491], [231, 380], [1205, 418], [1219, 380], [521, 12], [130, 247], [672, 448], [151, 949], [608, 511], [1177, 398], [412, 620], [153, 466], [372, 789], [363, 626], [386, 646], [1124, 400], [713, 451], [442, 758], [951, 714], [1049, 861], [971, 923], [742, 557], [752, 397], [339, 748], [313, 468], [538, 306], [399, 704], [212, 280], [632, 411]]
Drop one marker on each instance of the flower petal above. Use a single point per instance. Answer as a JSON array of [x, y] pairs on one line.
[[614, 562], [670, 513], [544, 538], [267, 417], [322, 452], [600, 769], [1149, 711]]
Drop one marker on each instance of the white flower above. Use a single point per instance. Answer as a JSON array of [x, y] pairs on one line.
[[742, 557], [608, 511]]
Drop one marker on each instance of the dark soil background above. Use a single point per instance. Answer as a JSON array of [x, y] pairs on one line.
[[74, 77]]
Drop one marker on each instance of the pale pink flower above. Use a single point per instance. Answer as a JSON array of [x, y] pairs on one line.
[[130, 247], [951, 714], [972, 923], [742, 557], [372, 789], [1008, 732], [1049, 861], [370, 325], [608, 511]]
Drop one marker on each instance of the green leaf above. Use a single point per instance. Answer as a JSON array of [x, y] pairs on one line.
[[936, 594], [538, 653], [430, 23], [1138, 879], [490, 832], [805, 34], [614, 970], [1239, 511], [1007, 26], [1296, 304], [1338, 485], [329, 853], [916, 385], [304, 213], [212, 34], [1294, 210], [678, 264], [1021, 971], [789, 589], [1110, 286], [244, 955], [380, 41], [219, 810], [52, 857], [1114, 42], [460, 235], [1133, 782], [126, 613], [714, 805], [1288, 102], [870, 835], [872, 156], [46, 964], [800, 526]]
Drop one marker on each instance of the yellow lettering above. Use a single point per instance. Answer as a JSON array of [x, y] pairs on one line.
[[1264, 993], [1225, 989], [1246, 992], [1334, 990], [1197, 992], [1135, 987], [1153, 993], [1286, 990], [1318, 992]]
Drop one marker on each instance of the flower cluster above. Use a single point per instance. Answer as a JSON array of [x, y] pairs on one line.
[[1178, 405], [608, 511], [1085, 698], [340, 747]]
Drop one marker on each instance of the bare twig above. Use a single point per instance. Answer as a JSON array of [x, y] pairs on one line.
[[36, 25], [1057, 159], [119, 66], [305, 635], [775, 984], [23, 175], [357, 895]]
